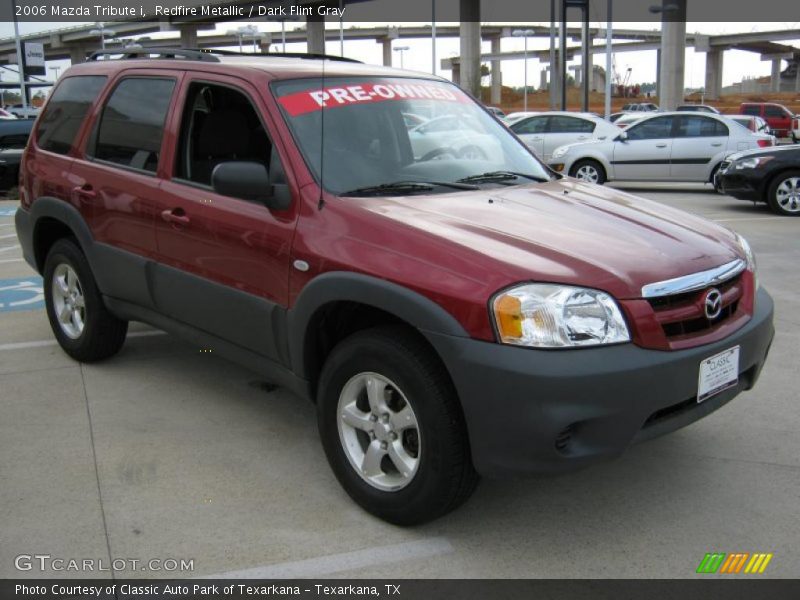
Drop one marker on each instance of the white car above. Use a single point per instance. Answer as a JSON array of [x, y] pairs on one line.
[[516, 116], [453, 136], [546, 131], [795, 133], [673, 146], [27, 112]]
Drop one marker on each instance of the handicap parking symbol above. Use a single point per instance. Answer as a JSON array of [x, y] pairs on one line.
[[26, 293], [7, 212]]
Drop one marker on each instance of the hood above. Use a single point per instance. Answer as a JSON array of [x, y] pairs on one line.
[[563, 231], [762, 151]]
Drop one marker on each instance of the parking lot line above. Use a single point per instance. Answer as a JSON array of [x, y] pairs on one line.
[[7, 248], [346, 561], [9, 235], [53, 342], [10, 260]]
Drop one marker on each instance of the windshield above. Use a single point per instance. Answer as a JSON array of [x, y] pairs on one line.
[[360, 133]]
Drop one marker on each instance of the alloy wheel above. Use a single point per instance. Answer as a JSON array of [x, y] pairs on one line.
[[587, 173], [787, 194], [379, 432], [68, 301]]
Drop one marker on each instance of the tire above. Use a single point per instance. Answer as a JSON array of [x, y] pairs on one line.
[[90, 333], [588, 170], [441, 476], [783, 194]]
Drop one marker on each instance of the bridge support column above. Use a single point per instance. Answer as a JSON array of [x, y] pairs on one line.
[[673, 53], [77, 54], [188, 36], [797, 74], [315, 34], [714, 63], [387, 51], [471, 46], [497, 74], [775, 76]]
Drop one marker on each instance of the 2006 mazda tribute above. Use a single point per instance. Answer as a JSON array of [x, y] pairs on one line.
[[453, 307]]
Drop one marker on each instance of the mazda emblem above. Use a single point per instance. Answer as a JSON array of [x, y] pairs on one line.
[[713, 304]]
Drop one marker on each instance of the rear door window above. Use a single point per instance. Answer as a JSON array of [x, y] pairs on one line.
[[132, 124], [563, 124], [752, 110], [696, 126], [66, 110]]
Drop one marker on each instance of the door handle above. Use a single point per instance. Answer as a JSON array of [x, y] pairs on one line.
[[661, 145], [717, 144], [176, 216], [85, 190]]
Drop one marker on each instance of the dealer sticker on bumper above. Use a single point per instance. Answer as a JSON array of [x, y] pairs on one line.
[[718, 373]]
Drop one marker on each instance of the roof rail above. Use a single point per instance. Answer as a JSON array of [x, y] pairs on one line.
[[206, 55], [163, 53]]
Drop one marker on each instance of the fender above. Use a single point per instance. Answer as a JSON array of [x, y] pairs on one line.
[[410, 306], [59, 210]]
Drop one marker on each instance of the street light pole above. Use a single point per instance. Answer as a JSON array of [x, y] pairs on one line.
[[609, 41], [401, 50], [433, 37], [524, 33], [20, 57]]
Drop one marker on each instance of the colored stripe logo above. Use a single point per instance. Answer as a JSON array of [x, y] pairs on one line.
[[734, 563]]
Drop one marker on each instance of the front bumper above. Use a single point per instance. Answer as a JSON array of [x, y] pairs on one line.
[[550, 411], [740, 184]]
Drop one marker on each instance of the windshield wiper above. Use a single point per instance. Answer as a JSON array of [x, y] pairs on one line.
[[501, 176], [400, 187]]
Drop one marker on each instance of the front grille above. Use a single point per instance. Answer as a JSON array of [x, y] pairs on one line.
[[683, 315]]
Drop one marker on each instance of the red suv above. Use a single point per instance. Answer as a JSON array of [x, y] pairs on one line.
[[452, 306], [778, 117]]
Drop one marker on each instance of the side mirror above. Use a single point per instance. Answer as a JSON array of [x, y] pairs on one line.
[[246, 180], [621, 137]]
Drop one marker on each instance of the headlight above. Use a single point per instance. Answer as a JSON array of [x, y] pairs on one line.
[[749, 257], [557, 316], [559, 152], [752, 163]]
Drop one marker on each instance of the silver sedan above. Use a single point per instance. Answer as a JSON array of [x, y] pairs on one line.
[[674, 146], [546, 131]]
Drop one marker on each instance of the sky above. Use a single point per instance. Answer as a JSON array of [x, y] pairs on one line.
[[737, 64]]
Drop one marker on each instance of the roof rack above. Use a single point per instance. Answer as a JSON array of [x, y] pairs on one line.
[[163, 53], [205, 54]]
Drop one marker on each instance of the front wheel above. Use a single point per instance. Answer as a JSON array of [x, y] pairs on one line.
[[589, 171], [392, 427], [783, 195]]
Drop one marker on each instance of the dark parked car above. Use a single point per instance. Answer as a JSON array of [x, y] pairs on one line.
[[770, 175], [450, 314], [14, 136]]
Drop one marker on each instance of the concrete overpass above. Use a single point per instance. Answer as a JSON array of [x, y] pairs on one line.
[[75, 43]]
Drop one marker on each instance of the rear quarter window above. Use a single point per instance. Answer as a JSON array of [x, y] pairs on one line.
[[66, 111], [132, 124]]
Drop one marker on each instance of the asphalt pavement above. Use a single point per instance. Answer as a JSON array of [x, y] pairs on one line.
[[168, 453]]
